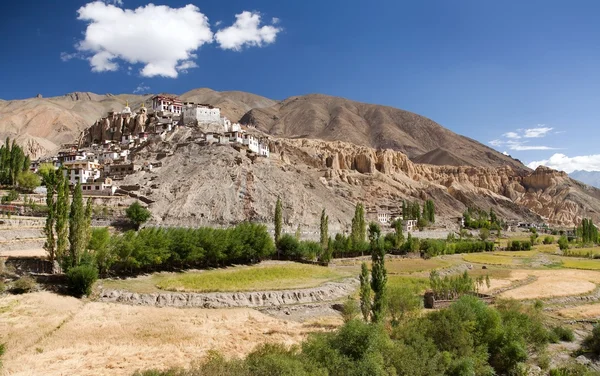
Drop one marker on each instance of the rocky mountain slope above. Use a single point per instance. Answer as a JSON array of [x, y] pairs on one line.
[[43, 124], [218, 185], [332, 118]]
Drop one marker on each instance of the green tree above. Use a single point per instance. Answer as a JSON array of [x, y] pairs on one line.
[[429, 211], [378, 274], [62, 218], [398, 232], [402, 302], [324, 230], [365, 291], [28, 180], [563, 243], [137, 214], [484, 234], [359, 228], [278, 220], [50, 244], [77, 228]]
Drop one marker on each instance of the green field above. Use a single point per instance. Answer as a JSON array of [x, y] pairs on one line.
[[419, 284], [574, 263], [488, 258], [518, 254], [251, 278]]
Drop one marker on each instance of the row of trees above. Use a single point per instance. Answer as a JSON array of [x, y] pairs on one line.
[[587, 231], [477, 219], [13, 162], [68, 223], [373, 289], [453, 287], [153, 248], [412, 210]]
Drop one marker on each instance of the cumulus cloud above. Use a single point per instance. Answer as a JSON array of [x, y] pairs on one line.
[[246, 32], [160, 37], [141, 88], [537, 132], [569, 164]]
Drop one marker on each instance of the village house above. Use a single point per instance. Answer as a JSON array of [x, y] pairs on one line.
[[101, 187], [119, 171], [81, 171], [384, 217]]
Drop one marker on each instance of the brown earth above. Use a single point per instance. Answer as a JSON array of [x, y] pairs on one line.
[[70, 336]]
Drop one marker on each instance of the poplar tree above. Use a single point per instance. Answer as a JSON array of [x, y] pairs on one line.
[[278, 218], [77, 228], [399, 234], [324, 230], [88, 223], [359, 228], [378, 274], [50, 245], [365, 291], [62, 218]]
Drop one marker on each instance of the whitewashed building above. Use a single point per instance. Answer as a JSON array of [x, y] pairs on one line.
[[384, 217], [203, 114], [81, 171], [99, 188], [167, 104]]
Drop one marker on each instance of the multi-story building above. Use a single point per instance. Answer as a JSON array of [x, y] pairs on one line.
[[101, 187], [167, 103], [81, 171], [202, 114]]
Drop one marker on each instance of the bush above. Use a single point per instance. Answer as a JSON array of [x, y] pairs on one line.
[[2, 351], [517, 245], [137, 214], [563, 334], [289, 247], [402, 301], [28, 180], [23, 285], [563, 243], [548, 240], [350, 310], [592, 342], [11, 196], [81, 279], [2, 287]]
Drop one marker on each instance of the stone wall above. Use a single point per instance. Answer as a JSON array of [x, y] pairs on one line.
[[327, 292]]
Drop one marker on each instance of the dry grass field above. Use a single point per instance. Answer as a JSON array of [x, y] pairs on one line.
[[553, 283], [47, 334], [588, 311]]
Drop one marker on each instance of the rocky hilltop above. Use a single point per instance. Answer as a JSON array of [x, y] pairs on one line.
[[217, 185], [43, 124]]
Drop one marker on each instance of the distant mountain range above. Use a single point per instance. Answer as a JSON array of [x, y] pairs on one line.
[[588, 177]]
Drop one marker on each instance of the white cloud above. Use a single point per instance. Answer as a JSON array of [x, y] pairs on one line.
[[514, 135], [569, 164], [185, 65], [114, 2], [246, 32], [141, 88], [519, 145], [160, 37], [537, 132], [275, 20], [218, 23]]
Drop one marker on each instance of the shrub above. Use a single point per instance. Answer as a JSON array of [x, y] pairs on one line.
[[517, 245], [81, 279], [310, 250], [289, 247], [548, 240], [137, 214], [484, 234], [2, 351], [592, 342], [23, 285], [350, 310], [11, 196], [563, 243], [402, 301], [563, 333], [28, 180]]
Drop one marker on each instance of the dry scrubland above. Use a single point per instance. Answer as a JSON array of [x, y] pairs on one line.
[[69, 336]]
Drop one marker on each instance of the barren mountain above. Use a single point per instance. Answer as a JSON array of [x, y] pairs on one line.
[[43, 124], [588, 177], [218, 185], [332, 118]]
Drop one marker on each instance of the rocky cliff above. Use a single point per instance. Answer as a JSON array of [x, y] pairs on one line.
[[219, 185]]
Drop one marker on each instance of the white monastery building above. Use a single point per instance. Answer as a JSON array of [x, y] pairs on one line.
[[167, 104]]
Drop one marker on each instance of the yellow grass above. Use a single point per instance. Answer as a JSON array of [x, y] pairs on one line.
[[419, 284], [584, 252], [48, 334], [558, 282], [575, 263], [518, 254], [589, 311], [488, 258], [251, 278], [400, 266]]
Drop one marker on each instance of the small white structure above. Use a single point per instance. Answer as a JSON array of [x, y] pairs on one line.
[[409, 225], [384, 217], [263, 150]]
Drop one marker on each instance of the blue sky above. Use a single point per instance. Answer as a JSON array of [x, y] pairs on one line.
[[495, 71]]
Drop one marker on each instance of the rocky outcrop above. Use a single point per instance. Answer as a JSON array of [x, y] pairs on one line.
[[327, 292]]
